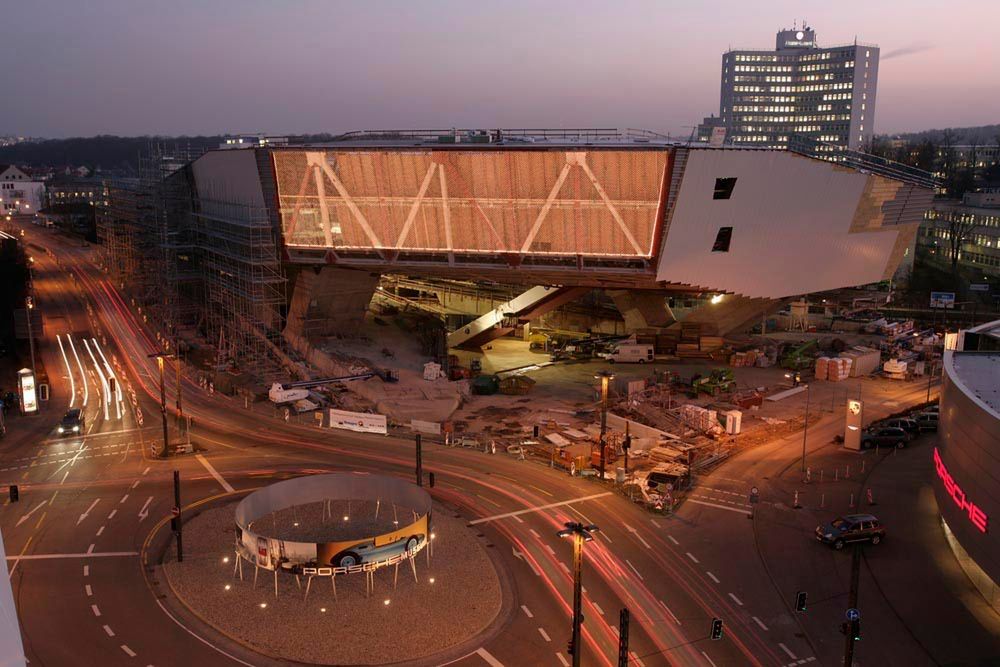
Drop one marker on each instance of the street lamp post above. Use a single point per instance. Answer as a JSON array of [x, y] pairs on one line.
[[930, 375], [805, 427], [163, 401], [805, 430], [177, 360], [29, 303], [604, 376], [580, 533]]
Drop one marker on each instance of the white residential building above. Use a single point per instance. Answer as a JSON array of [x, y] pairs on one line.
[[19, 194]]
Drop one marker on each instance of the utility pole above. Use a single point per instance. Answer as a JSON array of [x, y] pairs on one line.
[[853, 626], [177, 358], [605, 377], [420, 461], [580, 533], [623, 638], [626, 445], [176, 519]]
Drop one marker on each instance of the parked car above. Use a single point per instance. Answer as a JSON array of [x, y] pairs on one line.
[[927, 421], [909, 425], [885, 436], [72, 422], [851, 528]]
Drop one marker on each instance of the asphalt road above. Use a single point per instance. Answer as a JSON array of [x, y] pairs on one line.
[[89, 507]]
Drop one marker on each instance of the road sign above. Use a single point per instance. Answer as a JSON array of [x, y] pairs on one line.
[[754, 491], [979, 287], [853, 615], [176, 511]]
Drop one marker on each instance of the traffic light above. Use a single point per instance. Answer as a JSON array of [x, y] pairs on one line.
[[856, 630], [570, 646], [716, 628], [800, 601]]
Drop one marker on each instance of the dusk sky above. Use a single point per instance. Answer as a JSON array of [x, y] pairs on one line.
[[124, 67]]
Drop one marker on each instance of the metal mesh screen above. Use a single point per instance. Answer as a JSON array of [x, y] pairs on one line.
[[597, 203]]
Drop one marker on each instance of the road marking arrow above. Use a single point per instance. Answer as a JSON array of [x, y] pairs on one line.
[[28, 515], [144, 512], [87, 513], [637, 536]]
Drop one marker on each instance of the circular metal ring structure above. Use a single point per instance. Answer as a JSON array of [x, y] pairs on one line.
[[361, 553]]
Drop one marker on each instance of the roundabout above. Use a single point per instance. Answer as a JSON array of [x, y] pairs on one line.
[[311, 604]]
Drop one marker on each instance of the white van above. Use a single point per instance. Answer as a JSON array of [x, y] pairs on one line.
[[631, 353]]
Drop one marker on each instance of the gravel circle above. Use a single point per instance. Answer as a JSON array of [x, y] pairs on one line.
[[456, 597]]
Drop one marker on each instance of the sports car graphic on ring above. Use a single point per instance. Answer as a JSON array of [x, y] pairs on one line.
[[371, 551]]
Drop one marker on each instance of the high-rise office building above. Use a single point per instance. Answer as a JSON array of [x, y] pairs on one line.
[[826, 94]]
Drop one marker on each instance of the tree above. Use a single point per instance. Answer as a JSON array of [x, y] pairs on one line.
[[960, 229], [925, 156]]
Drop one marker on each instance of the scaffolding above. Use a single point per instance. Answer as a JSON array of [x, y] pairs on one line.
[[117, 231], [243, 283], [205, 265]]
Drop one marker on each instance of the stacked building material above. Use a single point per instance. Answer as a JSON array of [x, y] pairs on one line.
[[665, 454], [895, 369], [864, 360], [699, 418], [822, 363], [710, 343], [767, 357], [838, 369], [749, 358]]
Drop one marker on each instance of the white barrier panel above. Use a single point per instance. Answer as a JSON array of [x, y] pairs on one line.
[[430, 428], [11, 648], [359, 421]]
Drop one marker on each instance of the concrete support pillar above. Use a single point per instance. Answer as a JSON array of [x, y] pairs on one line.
[[642, 309], [329, 301]]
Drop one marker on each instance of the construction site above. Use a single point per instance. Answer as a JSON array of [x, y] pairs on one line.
[[576, 296]]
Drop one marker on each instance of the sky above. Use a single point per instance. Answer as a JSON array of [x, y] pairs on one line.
[[132, 67]]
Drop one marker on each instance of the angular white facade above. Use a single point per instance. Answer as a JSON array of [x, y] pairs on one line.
[[798, 225]]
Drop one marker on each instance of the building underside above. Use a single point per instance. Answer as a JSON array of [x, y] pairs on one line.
[[554, 215]]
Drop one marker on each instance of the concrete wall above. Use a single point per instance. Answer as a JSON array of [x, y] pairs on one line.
[[799, 225], [969, 448]]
